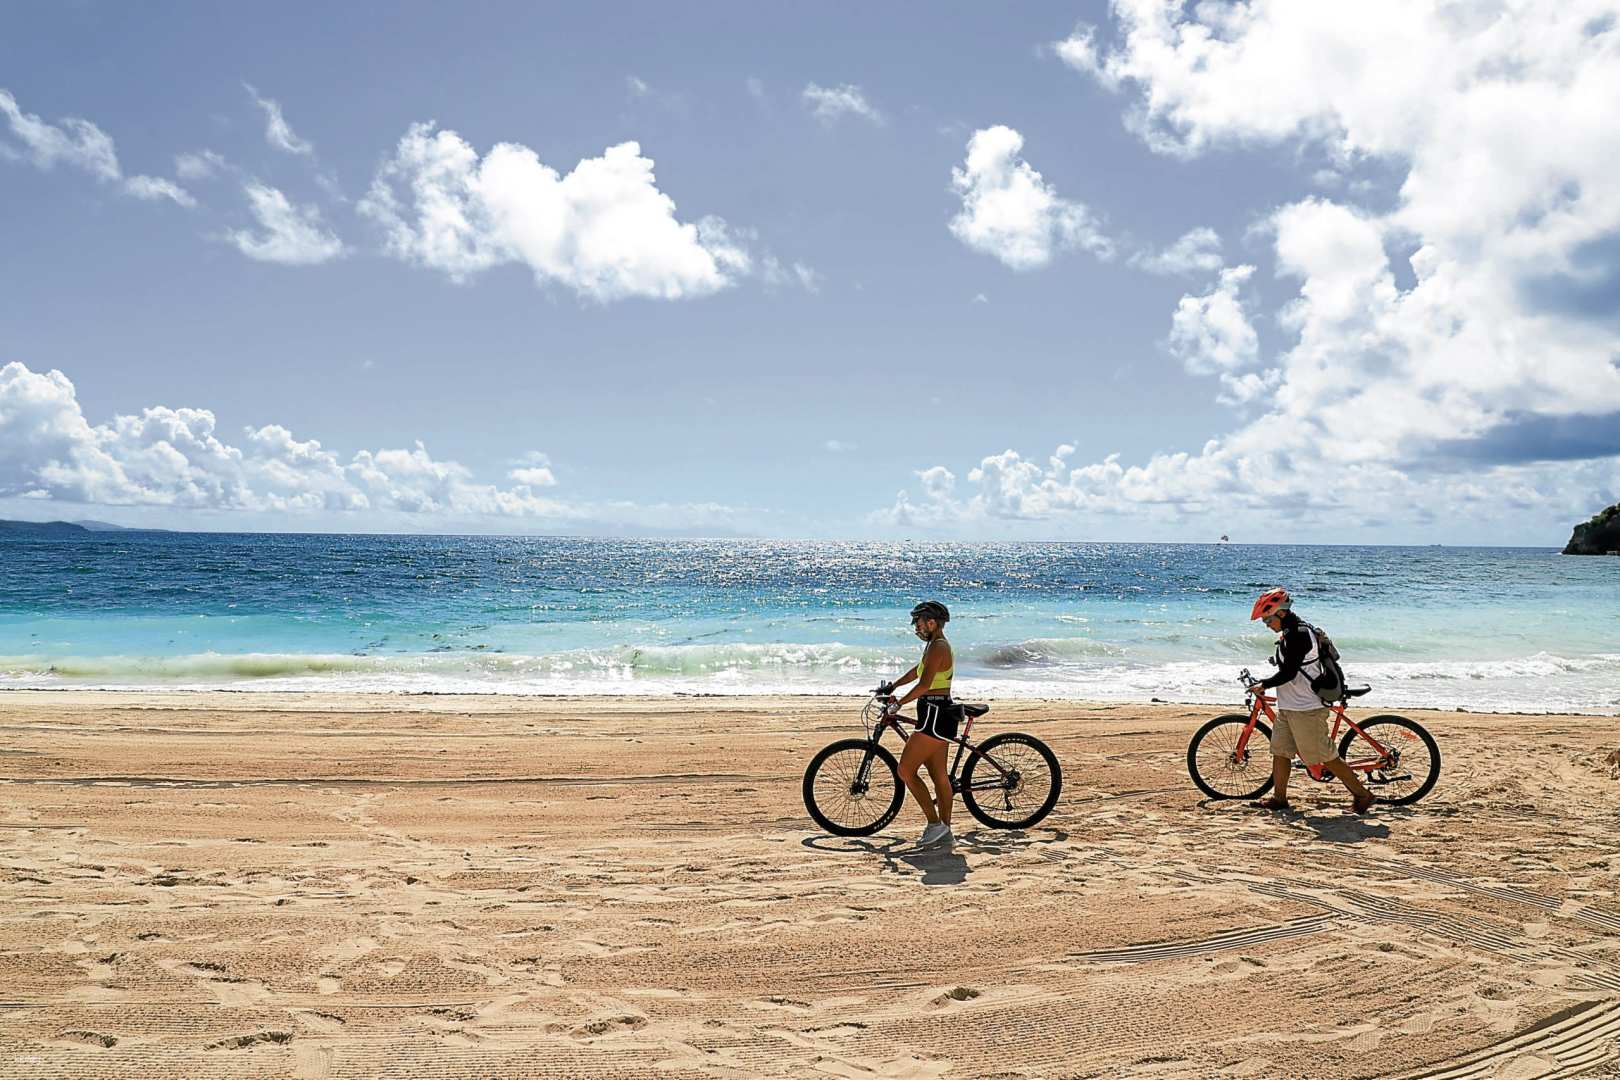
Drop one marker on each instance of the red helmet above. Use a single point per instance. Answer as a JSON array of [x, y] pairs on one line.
[[1270, 603]]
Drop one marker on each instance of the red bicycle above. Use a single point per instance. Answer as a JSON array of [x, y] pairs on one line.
[[1230, 757]]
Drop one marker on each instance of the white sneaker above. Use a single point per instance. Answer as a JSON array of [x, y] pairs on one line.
[[932, 834]]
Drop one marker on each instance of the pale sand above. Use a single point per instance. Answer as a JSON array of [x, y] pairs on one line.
[[253, 885]]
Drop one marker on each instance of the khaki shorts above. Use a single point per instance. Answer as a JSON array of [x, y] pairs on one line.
[[1304, 732]]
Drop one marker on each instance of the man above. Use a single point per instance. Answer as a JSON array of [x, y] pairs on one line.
[[936, 721], [1302, 719]]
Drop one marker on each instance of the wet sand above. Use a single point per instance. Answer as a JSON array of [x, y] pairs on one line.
[[236, 885]]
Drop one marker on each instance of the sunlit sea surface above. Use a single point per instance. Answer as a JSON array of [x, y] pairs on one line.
[[1478, 628]]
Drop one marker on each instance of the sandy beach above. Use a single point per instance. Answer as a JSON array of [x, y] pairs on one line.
[[234, 885]]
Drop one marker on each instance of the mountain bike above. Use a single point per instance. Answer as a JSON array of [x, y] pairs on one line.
[[853, 788], [1230, 757]]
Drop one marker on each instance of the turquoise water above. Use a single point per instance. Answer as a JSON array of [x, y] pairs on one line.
[[1520, 629]]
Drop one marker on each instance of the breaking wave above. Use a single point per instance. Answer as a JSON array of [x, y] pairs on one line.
[[1078, 668]]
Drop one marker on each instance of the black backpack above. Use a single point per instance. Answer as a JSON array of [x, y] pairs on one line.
[[1329, 685]]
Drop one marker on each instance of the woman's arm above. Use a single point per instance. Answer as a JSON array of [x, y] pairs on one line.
[[902, 680], [932, 664]]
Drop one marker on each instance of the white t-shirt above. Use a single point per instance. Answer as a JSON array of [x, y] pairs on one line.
[[1296, 694]]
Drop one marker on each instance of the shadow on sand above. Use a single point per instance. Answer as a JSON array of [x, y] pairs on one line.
[[938, 865]]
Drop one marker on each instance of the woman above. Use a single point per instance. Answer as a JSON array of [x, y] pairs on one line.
[[937, 718]]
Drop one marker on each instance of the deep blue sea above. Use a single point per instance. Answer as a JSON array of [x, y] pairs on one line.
[[1477, 628]]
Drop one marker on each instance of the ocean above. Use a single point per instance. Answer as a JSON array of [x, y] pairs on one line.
[[1477, 628]]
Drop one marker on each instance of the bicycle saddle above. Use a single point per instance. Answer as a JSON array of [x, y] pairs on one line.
[[1356, 691], [975, 710]]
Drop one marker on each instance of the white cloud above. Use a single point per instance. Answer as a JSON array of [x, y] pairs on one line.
[[1211, 334], [1437, 399], [290, 235], [149, 188], [533, 469], [175, 458], [1010, 212], [604, 230], [829, 104], [198, 165], [79, 144], [776, 274], [838, 446], [637, 88], [277, 132], [1197, 251]]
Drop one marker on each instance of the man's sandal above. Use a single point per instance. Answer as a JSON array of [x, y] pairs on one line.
[[1358, 805], [1272, 803]]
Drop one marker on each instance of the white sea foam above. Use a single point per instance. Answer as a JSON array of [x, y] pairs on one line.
[[1035, 668]]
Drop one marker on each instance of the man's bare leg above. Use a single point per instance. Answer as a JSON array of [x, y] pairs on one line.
[[1361, 797], [1281, 767]]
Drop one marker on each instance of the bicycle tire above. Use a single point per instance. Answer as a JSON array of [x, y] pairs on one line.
[[1417, 730], [1204, 784], [985, 750], [889, 768]]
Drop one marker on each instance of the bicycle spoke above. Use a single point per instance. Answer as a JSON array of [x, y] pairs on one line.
[[1220, 769], [838, 793]]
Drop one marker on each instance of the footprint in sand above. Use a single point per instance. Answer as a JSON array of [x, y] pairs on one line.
[[605, 1025], [956, 994], [312, 1063], [87, 1038]]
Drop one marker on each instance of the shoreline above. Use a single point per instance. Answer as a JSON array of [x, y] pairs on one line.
[[747, 699]]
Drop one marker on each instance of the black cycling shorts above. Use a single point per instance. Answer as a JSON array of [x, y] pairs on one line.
[[938, 716]]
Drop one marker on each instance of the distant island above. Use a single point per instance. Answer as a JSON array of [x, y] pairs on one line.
[[63, 530], [1600, 536]]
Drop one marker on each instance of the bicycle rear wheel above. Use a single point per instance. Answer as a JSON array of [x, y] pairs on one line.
[[1216, 766], [852, 787], [1406, 769], [1011, 781]]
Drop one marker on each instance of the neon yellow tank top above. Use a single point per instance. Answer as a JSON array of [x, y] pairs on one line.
[[942, 679]]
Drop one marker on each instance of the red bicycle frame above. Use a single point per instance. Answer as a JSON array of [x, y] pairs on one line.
[[1263, 704]]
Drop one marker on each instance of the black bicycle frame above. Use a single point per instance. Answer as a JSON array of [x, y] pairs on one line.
[[962, 745]]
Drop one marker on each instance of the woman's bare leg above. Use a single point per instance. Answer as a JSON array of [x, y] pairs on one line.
[[944, 797], [918, 749]]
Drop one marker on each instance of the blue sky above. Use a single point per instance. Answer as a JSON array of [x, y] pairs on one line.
[[861, 324]]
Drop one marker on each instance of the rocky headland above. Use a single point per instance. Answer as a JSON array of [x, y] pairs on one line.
[[1600, 536]]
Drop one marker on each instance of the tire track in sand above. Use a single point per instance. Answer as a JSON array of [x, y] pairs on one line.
[[1564, 1045], [1222, 942]]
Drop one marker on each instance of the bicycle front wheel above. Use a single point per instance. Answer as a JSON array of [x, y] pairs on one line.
[[1397, 759], [1219, 770], [1012, 781], [852, 788]]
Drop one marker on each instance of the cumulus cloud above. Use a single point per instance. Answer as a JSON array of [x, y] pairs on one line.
[[604, 230], [277, 132], [176, 458], [829, 104], [288, 234], [534, 470], [79, 144], [1211, 334], [1196, 251], [1010, 212], [1497, 120]]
